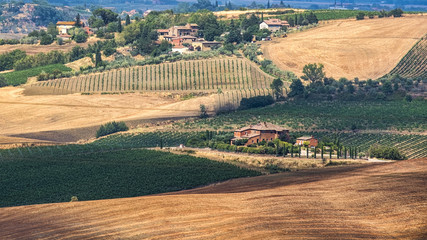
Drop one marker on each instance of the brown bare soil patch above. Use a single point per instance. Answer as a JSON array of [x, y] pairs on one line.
[[44, 116], [373, 201], [348, 48], [84, 62]]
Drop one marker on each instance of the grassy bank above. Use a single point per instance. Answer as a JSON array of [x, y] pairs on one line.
[[20, 77]]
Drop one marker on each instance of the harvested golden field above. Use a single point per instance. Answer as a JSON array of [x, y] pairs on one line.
[[32, 49], [372, 201], [26, 116], [348, 48]]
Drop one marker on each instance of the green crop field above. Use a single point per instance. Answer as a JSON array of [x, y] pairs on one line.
[[62, 172], [414, 63], [20, 77], [306, 114], [229, 74]]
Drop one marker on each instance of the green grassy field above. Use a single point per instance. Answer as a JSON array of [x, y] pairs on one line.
[[326, 115], [20, 77], [104, 175]]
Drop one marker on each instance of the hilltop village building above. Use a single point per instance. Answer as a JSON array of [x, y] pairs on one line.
[[178, 35], [64, 26], [273, 25], [262, 131]]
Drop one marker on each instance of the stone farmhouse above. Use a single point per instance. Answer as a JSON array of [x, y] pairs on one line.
[[273, 25], [262, 131], [178, 35], [310, 139], [64, 26]]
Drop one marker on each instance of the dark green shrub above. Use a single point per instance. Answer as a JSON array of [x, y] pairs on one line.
[[111, 127], [254, 102], [379, 151]]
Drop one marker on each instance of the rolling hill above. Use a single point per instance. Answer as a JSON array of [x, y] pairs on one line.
[[381, 201], [414, 63], [365, 49]]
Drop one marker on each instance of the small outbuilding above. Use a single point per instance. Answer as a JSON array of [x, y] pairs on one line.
[[312, 142]]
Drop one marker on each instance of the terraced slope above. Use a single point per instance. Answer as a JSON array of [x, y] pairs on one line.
[[382, 201], [414, 63], [229, 74]]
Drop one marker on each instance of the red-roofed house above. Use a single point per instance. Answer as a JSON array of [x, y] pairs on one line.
[[273, 25], [262, 131]]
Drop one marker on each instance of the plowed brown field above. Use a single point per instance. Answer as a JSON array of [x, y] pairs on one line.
[[348, 48], [375, 201]]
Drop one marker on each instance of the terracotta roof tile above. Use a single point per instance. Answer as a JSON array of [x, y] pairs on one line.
[[262, 126]]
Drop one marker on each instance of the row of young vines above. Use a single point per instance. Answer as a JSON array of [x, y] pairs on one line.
[[213, 75], [414, 63]]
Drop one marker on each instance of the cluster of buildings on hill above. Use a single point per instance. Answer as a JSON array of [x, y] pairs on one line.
[[273, 25], [265, 131], [179, 36], [64, 26]]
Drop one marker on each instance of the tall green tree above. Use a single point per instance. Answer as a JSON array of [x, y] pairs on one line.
[[98, 58], [119, 25], [78, 21], [297, 88], [127, 20], [313, 72], [52, 30], [106, 15], [277, 87]]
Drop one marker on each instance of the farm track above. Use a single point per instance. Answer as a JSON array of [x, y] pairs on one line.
[[377, 45], [381, 201]]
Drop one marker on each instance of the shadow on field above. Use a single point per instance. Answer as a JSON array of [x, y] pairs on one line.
[[75, 134]]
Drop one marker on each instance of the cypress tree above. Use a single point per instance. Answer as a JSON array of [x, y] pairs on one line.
[[98, 58], [119, 26], [78, 21], [127, 20], [292, 151], [345, 153], [299, 151], [315, 149], [307, 152], [321, 153], [338, 152], [330, 153]]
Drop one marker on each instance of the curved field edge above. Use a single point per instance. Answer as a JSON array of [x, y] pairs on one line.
[[414, 63], [369, 57], [381, 201], [105, 175]]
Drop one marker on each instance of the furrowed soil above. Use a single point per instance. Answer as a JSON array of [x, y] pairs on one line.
[[372, 201], [68, 118], [365, 49]]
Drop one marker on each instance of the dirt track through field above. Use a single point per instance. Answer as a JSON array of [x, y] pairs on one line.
[[365, 49], [381, 201]]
